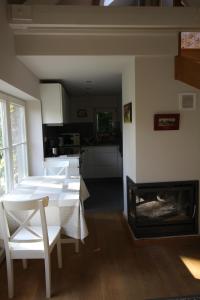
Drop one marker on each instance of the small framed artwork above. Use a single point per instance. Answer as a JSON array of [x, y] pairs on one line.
[[82, 113], [128, 113], [166, 121]]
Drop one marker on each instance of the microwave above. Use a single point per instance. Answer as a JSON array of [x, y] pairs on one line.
[[69, 139]]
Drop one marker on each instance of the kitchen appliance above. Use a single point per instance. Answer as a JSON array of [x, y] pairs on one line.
[[55, 151]]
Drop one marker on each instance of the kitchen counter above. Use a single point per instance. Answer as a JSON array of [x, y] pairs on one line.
[[70, 156], [101, 161]]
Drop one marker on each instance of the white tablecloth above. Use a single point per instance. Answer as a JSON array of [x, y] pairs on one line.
[[66, 198]]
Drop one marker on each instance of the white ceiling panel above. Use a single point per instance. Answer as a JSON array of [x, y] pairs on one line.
[[81, 74]]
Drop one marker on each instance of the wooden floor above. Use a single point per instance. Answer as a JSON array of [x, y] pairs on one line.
[[112, 266]]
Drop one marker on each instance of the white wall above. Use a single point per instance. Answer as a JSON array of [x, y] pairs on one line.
[[17, 80], [12, 71], [90, 103], [164, 155], [129, 129], [114, 42], [35, 138]]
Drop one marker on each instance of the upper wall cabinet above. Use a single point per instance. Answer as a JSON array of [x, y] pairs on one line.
[[55, 103]]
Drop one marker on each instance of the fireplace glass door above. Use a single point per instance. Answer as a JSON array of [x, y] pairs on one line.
[[164, 206]]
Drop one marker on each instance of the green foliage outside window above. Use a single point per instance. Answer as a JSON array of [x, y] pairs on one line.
[[104, 122], [2, 161]]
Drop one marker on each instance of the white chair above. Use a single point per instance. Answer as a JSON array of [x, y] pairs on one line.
[[55, 166], [28, 242], [73, 167], [61, 166]]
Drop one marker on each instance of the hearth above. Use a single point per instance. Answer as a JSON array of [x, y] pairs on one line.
[[162, 208]]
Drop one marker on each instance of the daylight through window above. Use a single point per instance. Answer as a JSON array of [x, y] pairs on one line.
[[13, 144]]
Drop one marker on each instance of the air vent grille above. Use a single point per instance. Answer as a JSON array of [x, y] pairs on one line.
[[187, 101]]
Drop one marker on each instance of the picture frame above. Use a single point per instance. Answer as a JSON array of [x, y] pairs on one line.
[[82, 113], [166, 121], [128, 113]]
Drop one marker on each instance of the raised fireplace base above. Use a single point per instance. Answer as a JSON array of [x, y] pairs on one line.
[[162, 208]]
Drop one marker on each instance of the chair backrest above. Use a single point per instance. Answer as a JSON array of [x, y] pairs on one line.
[[62, 166], [73, 169], [11, 209], [56, 167], [74, 161]]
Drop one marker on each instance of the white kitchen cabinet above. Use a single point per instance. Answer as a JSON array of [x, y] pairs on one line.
[[101, 162], [55, 103]]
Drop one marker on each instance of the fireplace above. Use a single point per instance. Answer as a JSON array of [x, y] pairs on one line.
[[162, 208]]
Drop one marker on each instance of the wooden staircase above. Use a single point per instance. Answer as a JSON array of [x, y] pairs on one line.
[[187, 67]]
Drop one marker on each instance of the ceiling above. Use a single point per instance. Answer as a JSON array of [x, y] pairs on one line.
[[81, 75]]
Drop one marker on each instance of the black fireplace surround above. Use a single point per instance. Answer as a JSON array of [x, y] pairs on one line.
[[162, 208]]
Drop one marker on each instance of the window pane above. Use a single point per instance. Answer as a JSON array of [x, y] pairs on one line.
[[104, 122], [3, 173], [3, 129], [19, 163], [17, 116]]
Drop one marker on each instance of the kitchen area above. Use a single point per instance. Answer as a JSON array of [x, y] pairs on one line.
[[87, 126]]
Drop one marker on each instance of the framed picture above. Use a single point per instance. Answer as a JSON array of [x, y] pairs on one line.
[[128, 113], [166, 121], [82, 113]]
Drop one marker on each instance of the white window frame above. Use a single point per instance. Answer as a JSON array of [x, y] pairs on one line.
[[9, 170]]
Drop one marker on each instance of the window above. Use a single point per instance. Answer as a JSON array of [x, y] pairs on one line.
[[104, 121], [3, 149], [106, 125], [13, 144]]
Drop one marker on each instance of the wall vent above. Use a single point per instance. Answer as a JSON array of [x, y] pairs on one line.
[[187, 101]]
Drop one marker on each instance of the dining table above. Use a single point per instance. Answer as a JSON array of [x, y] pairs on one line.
[[66, 197]]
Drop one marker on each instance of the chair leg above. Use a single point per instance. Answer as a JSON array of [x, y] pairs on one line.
[[47, 262], [10, 275], [59, 253], [77, 246], [24, 264]]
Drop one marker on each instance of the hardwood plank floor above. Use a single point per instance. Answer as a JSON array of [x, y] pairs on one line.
[[112, 266]]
